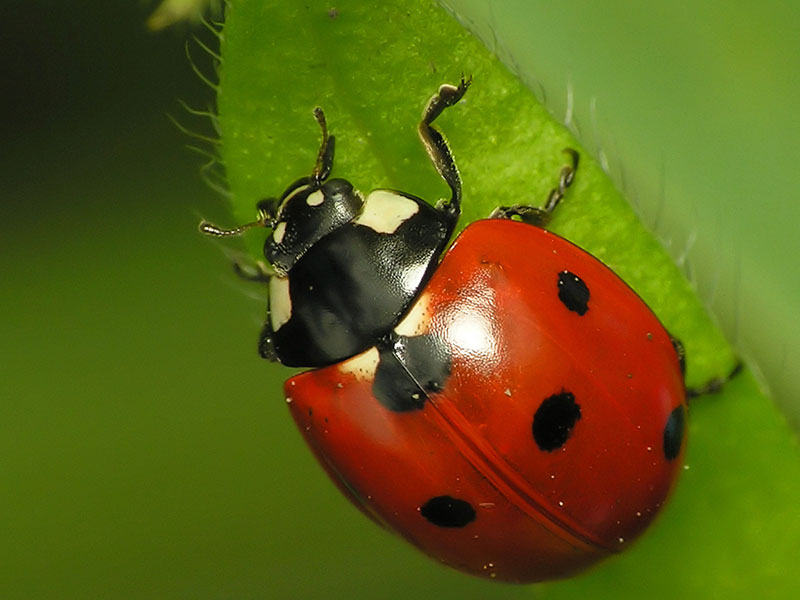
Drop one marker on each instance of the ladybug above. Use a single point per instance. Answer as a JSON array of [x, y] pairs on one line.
[[508, 404]]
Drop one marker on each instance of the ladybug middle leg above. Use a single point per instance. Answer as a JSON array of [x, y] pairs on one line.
[[436, 146], [713, 385], [411, 367], [536, 215]]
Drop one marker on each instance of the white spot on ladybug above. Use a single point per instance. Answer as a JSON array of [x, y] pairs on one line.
[[278, 232], [621, 540], [417, 320], [288, 400], [385, 211], [280, 303], [362, 366], [316, 198]]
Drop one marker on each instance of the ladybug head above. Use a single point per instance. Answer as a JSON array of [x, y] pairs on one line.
[[307, 211]]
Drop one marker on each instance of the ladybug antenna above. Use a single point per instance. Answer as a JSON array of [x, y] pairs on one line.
[[324, 164], [266, 212], [214, 230]]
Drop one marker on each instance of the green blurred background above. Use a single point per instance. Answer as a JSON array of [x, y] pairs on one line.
[[133, 412], [145, 451]]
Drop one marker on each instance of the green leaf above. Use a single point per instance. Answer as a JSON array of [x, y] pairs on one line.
[[732, 525]]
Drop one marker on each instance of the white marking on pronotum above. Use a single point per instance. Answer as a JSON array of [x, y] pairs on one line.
[[278, 232], [315, 199], [385, 211], [280, 303], [362, 366]]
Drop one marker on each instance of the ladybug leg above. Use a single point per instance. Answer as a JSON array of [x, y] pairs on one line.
[[714, 385], [259, 271], [533, 215], [436, 146], [540, 216], [266, 342], [680, 351]]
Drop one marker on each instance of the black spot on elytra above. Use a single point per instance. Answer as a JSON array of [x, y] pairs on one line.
[[673, 433], [554, 421], [446, 511], [573, 292], [408, 369]]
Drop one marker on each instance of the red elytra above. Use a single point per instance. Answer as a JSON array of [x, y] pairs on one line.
[[536, 514]]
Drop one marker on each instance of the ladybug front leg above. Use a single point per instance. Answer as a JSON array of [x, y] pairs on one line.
[[260, 272], [266, 342], [540, 216], [436, 146]]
